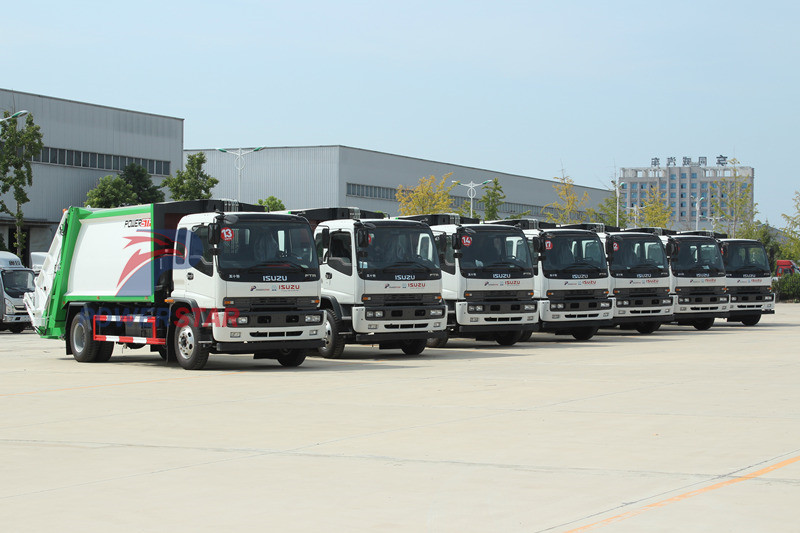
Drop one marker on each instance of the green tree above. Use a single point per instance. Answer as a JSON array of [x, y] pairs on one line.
[[141, 181], [427, 197], [272, 204], [732, 204], [192, 183], [570, 208], [791, 246], [492, 199], [111, 191], [18, 146], [611, 211], [655, 211]]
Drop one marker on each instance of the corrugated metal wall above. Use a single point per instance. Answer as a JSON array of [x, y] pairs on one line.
[[89, 128], [299, 177]]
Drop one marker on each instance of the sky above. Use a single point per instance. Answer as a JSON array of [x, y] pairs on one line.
[[532, 88]]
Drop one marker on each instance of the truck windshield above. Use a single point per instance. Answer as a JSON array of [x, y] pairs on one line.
[[491, 253], [17, 282], [574, 254], [744, 258], [267, 245], [697, 257], [398, 249], [638, 255]]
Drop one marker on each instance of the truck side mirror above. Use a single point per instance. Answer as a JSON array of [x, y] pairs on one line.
[[326, 238], [456, 240], [724, 249], [213, 233], [441, 243], [611, 247], [362, 238], [671, 249]]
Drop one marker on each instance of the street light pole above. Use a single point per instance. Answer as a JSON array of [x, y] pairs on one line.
[[471, 192], [15, 115], [697, 211], [238, 163]]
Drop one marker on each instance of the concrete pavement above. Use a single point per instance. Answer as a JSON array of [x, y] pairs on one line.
[[680, 430]]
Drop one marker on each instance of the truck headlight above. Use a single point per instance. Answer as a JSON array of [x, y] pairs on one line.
[[556, 306], [605, 305], [9, 307], [622, 303], [684, 300], [734, 298], [437, 312], [242, 320], [666, 301], [313, 319], [529, 307], [767, 297]]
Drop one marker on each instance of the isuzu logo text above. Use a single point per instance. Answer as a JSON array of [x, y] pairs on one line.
[[275, 278], [405, 277], [501, 275]]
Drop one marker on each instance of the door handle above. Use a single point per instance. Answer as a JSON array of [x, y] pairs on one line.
[[328, 275], [189, 276]]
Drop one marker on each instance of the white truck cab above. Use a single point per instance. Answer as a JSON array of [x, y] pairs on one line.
[[15, 281], [487, 279], [381, 280], [749, 282]]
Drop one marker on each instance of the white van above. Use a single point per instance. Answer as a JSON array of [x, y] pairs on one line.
[[15, 281]]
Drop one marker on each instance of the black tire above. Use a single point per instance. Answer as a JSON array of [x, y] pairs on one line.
[[414, 347], [646, 328], [17, 328], [703, 324], [291, 358], [526, 336], [190, 354], [81, 341], [334, 343], [104, 352], [584, 333], [749, 320], [437, 342], [508, 338]]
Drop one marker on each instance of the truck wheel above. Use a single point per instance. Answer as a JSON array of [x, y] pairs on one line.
[[437, 342], [104, 352], [584, 334], [508, 338], [292, 357], [703, 324], [190, 353], [19, 328], [646, 328], [749, 320], [414, 347], [334, 343], [526, 336], [84, 347]]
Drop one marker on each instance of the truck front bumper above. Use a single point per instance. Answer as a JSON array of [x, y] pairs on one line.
[[486, 316], [15, 319], [559, 315], [391, 322]]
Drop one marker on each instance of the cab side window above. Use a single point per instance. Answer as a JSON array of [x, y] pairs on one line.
[[200, 252], [340, 253]]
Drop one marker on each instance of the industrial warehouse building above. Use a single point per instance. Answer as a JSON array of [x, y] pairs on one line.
[[317, 176], [82, 143]]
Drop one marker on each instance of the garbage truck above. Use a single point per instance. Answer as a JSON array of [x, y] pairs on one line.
[[381, 283], [186, 278], [15, 282]]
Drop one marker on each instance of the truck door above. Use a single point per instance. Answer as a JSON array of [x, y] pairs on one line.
[[198, 277], [337, 262]]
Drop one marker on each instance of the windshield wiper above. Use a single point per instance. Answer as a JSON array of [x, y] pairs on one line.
[[268, 264], [580, 265], [403, 265], [504, 264]]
